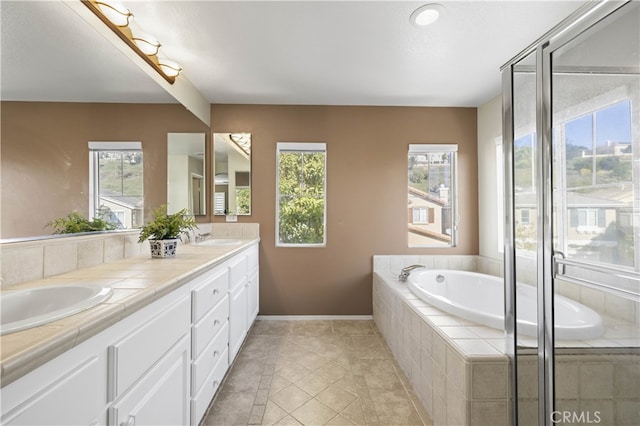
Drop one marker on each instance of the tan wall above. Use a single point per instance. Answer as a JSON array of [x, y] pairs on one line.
[[45, 159], [45, 175], [366, 196]]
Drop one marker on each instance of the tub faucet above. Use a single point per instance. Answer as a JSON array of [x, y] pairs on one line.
[[439, 278], [407, 270]]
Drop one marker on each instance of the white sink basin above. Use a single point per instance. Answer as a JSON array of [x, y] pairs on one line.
[[219, 242], [27, 308]]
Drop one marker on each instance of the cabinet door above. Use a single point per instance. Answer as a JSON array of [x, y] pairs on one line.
[[237, 319], [130, 357], [161, 397], [71, 399]]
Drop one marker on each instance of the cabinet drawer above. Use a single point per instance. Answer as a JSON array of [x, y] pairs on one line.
[[201, 401], [136, 353], [209, 326], [206, 295], [237, 270], [209, 357]]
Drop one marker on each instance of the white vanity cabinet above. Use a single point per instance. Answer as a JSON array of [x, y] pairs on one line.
[[253, 285], [120, 375], [161, 365], [209, 337], [148, 370], [70, 397]]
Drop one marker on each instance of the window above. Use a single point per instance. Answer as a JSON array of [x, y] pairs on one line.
[[301, 194], [432, 195], [594, 186], [524, 216], [115, 183]]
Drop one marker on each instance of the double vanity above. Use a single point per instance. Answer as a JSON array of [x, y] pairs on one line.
[[154, 352]]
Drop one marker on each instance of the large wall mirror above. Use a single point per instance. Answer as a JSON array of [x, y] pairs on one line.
[[232, 173], [186, 183]]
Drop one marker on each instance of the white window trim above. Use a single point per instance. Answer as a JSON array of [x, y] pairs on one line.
[[439, 148], [300, 147], [93, 170]]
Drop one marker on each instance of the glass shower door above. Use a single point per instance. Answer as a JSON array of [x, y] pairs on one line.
[[571, 129], [595, 117]]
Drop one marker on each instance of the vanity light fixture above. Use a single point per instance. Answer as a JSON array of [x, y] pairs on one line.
[[426, 14], [118, 19], [146, 43], [117, 14], [169, 67], [242, 141]]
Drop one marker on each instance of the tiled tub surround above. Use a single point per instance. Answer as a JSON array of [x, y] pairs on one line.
[[137, 281], [41, 258], [460, 373]]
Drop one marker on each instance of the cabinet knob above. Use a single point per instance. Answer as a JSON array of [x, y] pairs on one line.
[[216, 322], [215, 354], [216, 291], [215, 383]]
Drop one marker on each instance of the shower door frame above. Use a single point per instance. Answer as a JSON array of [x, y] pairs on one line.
[[577, 23]]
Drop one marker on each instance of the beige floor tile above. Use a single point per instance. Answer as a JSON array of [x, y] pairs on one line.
[[352, 328], [311, 328], [312, 361], [278, 383], [288, 421], [290, 398], [272, 414], [231, 408], [332, 372], [313, 412], [336, 398], [395, 407], [353, 413], [345, 365], [293, 371], [313, 384], [271, 328], [347, 383]]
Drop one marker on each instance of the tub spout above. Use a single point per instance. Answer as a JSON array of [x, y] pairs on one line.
[[404, 274]]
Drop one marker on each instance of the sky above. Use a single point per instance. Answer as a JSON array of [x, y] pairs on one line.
[[612, 124]]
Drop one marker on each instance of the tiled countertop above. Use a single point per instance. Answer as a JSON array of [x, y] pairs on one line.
[[136, 281]]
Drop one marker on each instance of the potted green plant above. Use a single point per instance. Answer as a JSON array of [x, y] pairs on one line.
[[165, 229], [75, 222]]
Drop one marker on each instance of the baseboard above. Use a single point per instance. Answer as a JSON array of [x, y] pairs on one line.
[[314, 317]]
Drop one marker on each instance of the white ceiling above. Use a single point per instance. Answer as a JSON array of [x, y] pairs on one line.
[[277, 52]]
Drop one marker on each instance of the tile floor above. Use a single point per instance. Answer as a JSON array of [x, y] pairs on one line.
[[314, 372]]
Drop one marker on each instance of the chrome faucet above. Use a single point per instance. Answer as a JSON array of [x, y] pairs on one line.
[[407, 270], [439, 278], [202, 237]]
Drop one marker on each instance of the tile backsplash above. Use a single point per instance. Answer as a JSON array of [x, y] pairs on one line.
[[37, 259]]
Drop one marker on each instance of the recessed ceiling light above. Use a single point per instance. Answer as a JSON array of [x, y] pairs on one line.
[[426, 14]]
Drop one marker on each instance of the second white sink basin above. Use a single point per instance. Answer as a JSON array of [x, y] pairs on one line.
[[27, 308], [219, 242]]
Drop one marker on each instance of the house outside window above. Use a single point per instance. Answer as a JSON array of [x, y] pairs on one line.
[[116, 183], [432, 195]]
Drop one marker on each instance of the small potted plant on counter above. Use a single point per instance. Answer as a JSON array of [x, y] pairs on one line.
[[165, 229]]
